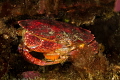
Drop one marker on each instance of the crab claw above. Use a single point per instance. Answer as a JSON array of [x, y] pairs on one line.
[[25, 52]]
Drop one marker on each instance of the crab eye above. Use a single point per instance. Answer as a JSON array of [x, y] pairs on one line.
[[81, 46]]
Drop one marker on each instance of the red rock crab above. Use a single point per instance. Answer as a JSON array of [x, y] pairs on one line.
[[56, 40]]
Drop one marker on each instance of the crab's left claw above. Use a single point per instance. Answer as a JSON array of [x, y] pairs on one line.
[[25, 52]]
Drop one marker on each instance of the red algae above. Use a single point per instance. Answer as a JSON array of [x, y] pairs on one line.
[[30, 74], [117, 6]]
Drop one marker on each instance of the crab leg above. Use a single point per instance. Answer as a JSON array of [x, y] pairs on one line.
[[25, 52]]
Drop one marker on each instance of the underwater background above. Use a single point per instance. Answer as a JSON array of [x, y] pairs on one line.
[[98, 16]]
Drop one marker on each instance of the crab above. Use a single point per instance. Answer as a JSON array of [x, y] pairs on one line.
[[56, 40]]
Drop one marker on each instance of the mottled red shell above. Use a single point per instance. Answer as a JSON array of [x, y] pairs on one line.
[[55, 30]]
